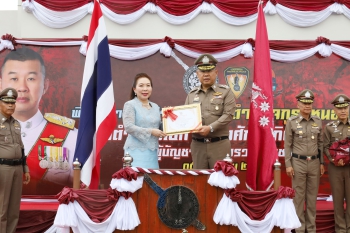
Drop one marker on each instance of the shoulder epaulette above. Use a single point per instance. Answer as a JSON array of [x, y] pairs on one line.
[[194, 89], [292, 118], [316, 117], [330, 123], [60, 120]]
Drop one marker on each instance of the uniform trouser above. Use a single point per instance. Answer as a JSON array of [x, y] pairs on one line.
[[339, 177], [305, 183], [11, 180], [205, 155]]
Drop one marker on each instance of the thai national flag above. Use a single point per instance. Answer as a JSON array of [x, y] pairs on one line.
[[98, 114]]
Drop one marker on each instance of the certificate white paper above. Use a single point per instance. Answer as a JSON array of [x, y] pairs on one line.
[[188, 118]]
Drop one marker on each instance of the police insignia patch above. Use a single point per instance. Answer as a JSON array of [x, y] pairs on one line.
[[190, 79], [237, 79]]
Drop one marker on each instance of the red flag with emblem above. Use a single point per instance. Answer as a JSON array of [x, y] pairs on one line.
[[262, 150]]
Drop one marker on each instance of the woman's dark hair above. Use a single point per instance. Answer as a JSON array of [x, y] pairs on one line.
[[137, 77]]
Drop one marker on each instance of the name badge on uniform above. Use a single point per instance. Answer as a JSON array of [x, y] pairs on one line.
[[217, 94], [17, 126], [2, 126], [299, 127]]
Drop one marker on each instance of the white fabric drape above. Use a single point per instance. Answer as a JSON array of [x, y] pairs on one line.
[[123, 217], [219, 179], [282, 215], [74, 216], [6, 44], [123, 185], [130, 53], [57, 19]]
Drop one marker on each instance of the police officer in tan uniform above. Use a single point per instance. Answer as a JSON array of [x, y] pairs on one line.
[[12, 163], [210, 142], [339, 174], [303, 148]]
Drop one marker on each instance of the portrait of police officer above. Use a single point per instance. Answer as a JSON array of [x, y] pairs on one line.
[[24, 70], [210, 141], [12, 162], [303, 146], [339, 172]]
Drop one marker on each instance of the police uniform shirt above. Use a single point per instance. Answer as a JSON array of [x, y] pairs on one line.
[[334, 131], [217, 108], [31, 130], [303, 137], [10, 139]]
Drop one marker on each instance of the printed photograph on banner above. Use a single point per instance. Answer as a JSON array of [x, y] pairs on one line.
[[29, 70], [60, 95]]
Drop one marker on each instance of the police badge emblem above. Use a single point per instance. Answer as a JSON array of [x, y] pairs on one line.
[[190, 79], [237, 79]]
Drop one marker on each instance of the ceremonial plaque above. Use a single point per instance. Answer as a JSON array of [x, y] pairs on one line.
[[177, 206], [181, 119]]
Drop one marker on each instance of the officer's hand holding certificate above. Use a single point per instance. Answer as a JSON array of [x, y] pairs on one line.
[[181, 119]]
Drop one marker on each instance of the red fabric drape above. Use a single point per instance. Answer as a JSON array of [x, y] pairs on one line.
[[178, 7], [125, 173], [62, 5], [134, 43], [227, 168], [257, 204], [124, 6], [308, 5], [238, 8], [98, 204], [35, 221], [209, 46]]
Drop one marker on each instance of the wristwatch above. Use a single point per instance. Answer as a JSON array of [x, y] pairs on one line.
[[211, 129]]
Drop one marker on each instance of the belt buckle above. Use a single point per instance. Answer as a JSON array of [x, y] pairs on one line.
[[207, 140], [308, 158]]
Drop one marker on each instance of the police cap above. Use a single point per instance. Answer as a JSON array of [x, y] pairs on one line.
[[306, 96], [8, 95], [206, 62], [341, 101]]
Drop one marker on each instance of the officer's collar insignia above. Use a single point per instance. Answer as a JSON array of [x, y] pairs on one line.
[[205, 60], [10, 93]]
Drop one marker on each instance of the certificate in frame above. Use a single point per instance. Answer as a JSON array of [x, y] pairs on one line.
[[188, 118]]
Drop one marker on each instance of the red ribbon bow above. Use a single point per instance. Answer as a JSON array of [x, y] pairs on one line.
[[169, 113]]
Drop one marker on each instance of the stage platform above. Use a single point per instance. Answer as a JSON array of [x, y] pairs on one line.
[[38, 213]]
